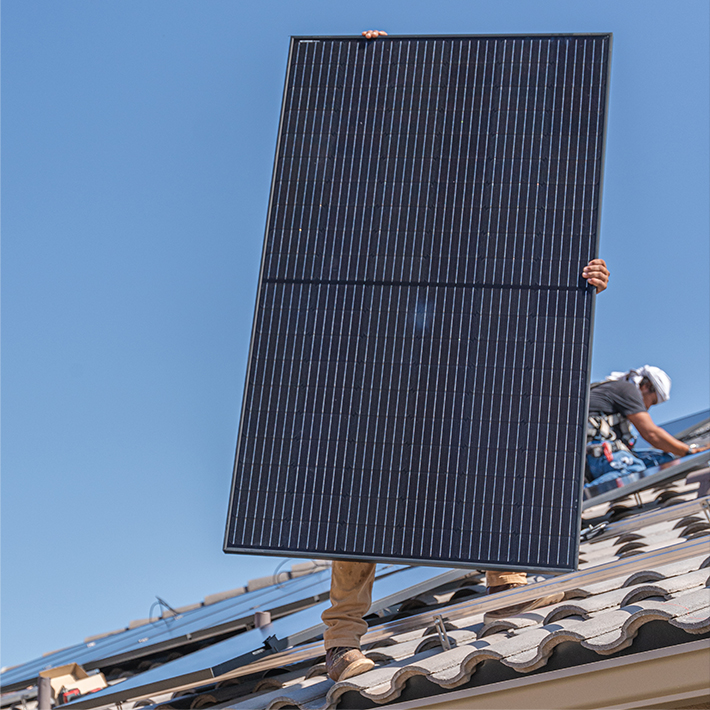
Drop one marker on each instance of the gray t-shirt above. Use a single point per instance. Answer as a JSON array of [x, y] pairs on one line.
[[617, 397]]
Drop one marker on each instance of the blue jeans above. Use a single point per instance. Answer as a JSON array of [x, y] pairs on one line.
[[652, 458], [624, 465]]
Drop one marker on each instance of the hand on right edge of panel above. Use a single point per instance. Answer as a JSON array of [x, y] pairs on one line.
[[597, 274]]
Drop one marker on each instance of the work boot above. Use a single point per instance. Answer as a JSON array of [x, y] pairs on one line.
[[521, 607], [342, 663]]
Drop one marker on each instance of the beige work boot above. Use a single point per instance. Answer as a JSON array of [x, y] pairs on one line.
[[521, 607], [342, 663]]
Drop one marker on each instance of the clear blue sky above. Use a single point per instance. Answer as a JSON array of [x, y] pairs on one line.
[[137, 147]]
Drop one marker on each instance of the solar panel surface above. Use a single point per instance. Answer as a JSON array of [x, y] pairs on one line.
[[418, 374]]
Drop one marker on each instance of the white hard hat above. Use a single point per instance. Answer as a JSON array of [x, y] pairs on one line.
[[659, 379]]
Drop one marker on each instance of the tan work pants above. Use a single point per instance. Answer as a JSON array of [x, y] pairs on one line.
[[351, 596]]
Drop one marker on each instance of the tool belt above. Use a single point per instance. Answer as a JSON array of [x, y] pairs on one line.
[[605, 448], [604, 427]]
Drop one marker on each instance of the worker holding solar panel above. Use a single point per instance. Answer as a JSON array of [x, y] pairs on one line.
[[423, 323], [351, 584]]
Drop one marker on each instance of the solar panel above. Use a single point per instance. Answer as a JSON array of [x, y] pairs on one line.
[[228, 615], [241, 650], [687, 427], [419, 366]]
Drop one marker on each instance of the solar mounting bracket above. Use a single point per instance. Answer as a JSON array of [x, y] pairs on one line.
[[275, 644]]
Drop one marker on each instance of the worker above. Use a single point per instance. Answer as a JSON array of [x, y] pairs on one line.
[[621, 400], [351, 582]]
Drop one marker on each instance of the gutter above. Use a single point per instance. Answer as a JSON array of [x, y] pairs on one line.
[[671, 677]]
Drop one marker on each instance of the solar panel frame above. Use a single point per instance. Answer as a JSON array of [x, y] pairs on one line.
[[381, 280]]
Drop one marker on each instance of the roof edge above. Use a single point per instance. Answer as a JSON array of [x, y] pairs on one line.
[[650, 679]]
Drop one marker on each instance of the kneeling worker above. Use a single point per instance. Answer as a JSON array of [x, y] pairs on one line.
[[621, 400]]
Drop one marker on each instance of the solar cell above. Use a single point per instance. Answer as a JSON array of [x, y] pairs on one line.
[[418, 374]]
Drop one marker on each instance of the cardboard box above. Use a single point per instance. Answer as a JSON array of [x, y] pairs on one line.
[[72, 680]]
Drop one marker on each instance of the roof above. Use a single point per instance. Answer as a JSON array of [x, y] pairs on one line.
[[617, 592], [638, 604]]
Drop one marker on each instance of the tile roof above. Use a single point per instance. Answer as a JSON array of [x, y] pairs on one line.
[[606, 621], [645, 564], [608, 602]]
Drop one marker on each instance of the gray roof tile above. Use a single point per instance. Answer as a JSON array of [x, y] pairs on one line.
[[299, 694], [692, 611], [672, 569], [668, 586], [606, 621], [396, 652], [603, 615], [588, 606], [510, 623]]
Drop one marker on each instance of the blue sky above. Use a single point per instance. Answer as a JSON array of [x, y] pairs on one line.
[[137, 147]]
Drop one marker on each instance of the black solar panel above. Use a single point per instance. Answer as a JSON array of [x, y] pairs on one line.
[[418, 374]]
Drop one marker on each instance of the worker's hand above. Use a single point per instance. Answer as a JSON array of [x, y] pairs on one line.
[[374, 34], [705, 447], [597, 274]]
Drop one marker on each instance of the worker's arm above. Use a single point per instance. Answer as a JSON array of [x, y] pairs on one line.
[[659, 438]]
